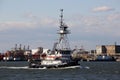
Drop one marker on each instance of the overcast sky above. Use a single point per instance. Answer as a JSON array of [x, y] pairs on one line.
[[35, 22]]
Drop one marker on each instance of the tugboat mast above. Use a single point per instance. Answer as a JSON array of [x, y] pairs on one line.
[[63, 43], [61, 16]]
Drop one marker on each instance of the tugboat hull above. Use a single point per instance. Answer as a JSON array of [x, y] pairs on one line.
[[105, 58], [41, 65]]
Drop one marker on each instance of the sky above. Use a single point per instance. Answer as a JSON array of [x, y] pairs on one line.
[[36, 22]]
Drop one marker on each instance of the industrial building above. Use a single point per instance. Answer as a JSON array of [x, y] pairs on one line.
[[108, 49]]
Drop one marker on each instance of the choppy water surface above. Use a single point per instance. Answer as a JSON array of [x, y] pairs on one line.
[[86, 71]]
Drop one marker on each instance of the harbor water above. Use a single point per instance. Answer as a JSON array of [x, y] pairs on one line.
[[86, 71]]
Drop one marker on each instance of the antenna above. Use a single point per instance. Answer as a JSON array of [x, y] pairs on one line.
[[61, 16]]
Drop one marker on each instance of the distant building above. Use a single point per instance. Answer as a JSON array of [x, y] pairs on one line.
[[108, 49], [100, 49]]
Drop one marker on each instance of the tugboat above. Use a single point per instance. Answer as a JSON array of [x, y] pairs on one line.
[[60, 55], [105, 57]]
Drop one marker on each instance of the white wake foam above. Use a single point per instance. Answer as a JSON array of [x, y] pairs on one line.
[[70, 67], [26, 67], [12, 67], [84, 67]]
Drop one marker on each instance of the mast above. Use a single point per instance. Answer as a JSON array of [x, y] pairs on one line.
[[61, 17], [63, 43]]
